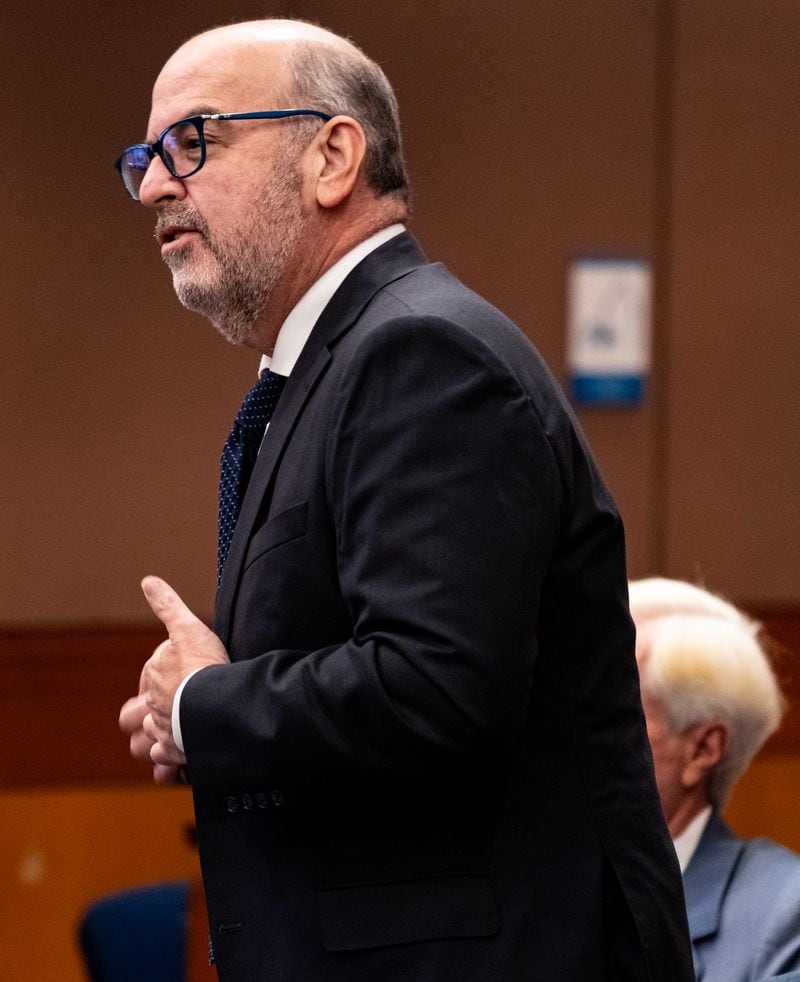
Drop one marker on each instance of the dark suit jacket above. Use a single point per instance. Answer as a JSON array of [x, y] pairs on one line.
[[743, 900], [427, 761]]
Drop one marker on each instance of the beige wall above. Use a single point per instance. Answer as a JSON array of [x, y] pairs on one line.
[[535, 132], [734, 294]]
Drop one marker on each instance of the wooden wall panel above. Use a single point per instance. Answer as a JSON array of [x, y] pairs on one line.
[[734, 349], [766, 801], [60, 850], [61, 693]]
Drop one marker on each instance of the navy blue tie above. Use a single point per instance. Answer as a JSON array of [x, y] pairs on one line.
[[239, 455]]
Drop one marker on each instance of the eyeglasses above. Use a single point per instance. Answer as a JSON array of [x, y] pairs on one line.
[[182, 146]]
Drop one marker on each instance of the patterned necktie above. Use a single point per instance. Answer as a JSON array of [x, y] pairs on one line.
[[239, 455]]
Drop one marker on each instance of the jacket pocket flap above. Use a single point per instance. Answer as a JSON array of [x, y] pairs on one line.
[[398, 913], [291, 523]]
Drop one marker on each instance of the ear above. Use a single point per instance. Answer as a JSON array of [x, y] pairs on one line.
[[336, 158], [705, 748]]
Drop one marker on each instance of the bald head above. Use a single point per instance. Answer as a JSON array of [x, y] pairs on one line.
[[272, 31], [253, 49], [294, 63], [253, 205]]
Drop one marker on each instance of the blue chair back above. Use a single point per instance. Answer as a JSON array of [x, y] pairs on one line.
[[137, 935]]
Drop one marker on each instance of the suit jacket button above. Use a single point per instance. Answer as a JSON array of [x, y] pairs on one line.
[[231, 804], [247, 802], [262, 801], [276, 799]]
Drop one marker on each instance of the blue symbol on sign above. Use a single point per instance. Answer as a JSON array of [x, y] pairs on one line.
[[602, 335]]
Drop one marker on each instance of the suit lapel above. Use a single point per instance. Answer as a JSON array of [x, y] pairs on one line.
[[389, 262], [706, 881]]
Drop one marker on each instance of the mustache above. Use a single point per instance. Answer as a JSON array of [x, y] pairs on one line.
[[181, 217]]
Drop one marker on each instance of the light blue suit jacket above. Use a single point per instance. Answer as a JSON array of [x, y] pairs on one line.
[[743, 901]]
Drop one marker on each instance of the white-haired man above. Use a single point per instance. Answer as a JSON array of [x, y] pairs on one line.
[[711, 699]]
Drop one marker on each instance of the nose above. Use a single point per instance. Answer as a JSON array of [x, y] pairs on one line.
[[158, 184]]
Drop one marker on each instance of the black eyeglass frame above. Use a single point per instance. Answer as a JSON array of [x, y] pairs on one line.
[[156, 149]]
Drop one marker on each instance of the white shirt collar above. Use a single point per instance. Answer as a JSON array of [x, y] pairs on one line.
[[687, 842], [304, 315]]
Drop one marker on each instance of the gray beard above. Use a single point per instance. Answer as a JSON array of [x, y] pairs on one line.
[[231, 282], [237, 293]]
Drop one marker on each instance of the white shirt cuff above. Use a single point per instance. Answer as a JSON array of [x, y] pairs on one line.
[[177, 736]]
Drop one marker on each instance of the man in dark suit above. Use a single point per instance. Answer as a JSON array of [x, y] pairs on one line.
[[414, 737], [711, 699]]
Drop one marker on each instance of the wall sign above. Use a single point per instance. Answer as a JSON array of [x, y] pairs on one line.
[[608, 331]]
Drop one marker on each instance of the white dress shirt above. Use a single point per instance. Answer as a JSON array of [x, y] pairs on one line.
[[290, 342], [687, 842]]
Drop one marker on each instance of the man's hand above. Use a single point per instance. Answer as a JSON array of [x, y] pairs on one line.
[[148, 716]]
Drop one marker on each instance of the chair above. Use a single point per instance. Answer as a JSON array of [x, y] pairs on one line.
[[137, 935]]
